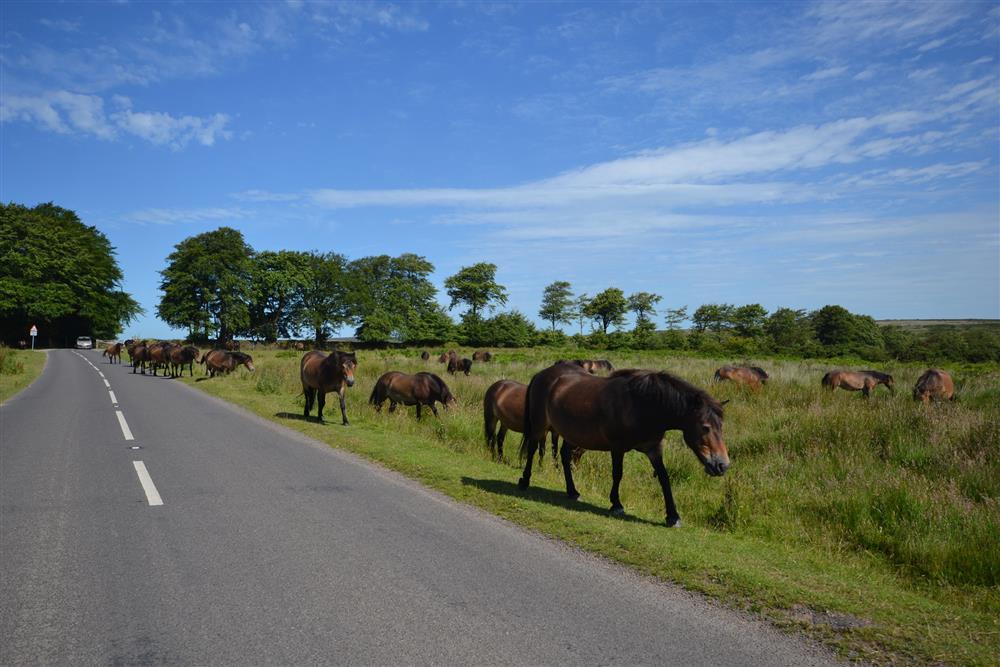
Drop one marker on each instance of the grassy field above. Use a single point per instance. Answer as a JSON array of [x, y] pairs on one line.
[[870, 525], [18, 369]]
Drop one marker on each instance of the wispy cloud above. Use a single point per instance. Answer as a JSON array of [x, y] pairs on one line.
[[167, 216]]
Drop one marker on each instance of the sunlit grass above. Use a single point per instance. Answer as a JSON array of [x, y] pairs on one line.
[[18, 369]]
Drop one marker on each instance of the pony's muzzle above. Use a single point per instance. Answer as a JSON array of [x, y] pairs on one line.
[[716, 466], [349, 381]]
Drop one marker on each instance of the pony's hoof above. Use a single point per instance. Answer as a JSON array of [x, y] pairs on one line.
[[617, 511], [522, 484], [674, 522], [573, 496]]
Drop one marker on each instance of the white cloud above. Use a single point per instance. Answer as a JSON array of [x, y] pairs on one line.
[[828, 73], [73, 113], [167, 216]]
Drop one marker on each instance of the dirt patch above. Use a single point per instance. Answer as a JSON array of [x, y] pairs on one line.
[[834, 620]]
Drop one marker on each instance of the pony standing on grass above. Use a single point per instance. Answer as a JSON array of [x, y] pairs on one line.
[[419, 390], [934, 385], [630, 409], [321, 373], [863, 381], [753, 376]]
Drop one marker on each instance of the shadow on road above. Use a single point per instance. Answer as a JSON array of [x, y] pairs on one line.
[[547, 496]]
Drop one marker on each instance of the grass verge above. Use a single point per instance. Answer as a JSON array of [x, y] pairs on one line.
[[18, 369], [869, 525]]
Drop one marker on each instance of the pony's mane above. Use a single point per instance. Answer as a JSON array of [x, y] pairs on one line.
[[878, 374], [664, 390], [761, 373], [240, 356], [439, 385]]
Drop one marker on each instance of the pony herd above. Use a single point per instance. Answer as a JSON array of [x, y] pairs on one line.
[[173, 358], [933, 384]]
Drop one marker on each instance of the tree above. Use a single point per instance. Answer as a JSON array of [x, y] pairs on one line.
[[643, 305], [60, 274], [324, 305], [580, 310], [476, 286], [608, 308], [790, 330], [713, 317], [674, 316], [392, 298], [749, 320], [834, 325], [207, 284], [279, 280], [557, 304]]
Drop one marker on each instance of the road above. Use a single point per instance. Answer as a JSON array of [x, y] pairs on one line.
[[239, 542]]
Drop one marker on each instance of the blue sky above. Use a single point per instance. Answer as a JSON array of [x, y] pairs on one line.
[[791, 154]]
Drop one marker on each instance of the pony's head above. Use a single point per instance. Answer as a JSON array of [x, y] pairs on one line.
[[348, 362], [245, 359], [703, 433]]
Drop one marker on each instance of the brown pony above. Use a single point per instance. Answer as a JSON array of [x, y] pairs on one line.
[[754, 376], [447, 356], [425, 355], [934, 384], [321, 373], [482, 355], [139, 355], [503, 404], [112, 352], [224, 362], [631, 409], [455, 364], [181, 356], [159, 355], [419, 390], [863, 381]]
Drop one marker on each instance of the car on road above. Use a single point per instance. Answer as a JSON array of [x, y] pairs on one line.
[[84, 343]]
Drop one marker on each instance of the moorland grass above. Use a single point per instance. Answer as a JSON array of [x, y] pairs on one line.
[[18, 369], [872, 524]]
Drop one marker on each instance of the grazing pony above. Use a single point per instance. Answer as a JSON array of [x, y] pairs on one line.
[[455, 364], [482, 355], [180, 357], [631, 409], [863, 381], [934, 384], [425, 355], [419, 390], [224, 362], [447, 356], [321, 373], [112, 352], [754, 376], [503, 405]]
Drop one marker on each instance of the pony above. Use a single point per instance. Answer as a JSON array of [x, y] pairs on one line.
[[934, 384], [224, 362], [503, 405], [445, 357], [455, 364], [181, 356], [863, 381], [425, 355], [590, 365], [482, 355], [630, 409], [112, 352], [754, 376], [419, 390], [139, 355], [321, 373], [159, 355]]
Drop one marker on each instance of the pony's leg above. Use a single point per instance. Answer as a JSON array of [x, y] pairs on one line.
[[555, 446], [343, 408], [532, 445], [617, 465], [866, 390], [656, 458], [392, 405], [435, 410], [310, 395], [565, 453], [501, 434], [418, 410], [320, 402]]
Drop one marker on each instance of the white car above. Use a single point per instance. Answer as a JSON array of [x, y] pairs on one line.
[[84, 343]]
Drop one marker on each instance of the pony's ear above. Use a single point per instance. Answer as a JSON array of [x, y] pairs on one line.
[[725, 401]]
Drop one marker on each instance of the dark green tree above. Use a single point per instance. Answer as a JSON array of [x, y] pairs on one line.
[[834, 325], [790, 330], [476, 286], [608, 308], [643, 304], [557, 304], [715, 317], [60, 274], [675, 316], [749, 320], [279, 280], [207, 285], [392, 298], [323, 305], [580, 310]]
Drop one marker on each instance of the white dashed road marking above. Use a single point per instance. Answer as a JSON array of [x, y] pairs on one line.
[[125, 429], [152, 495]]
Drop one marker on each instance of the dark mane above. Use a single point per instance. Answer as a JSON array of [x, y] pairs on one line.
[[239, 356], [660, 390], [761, 373], [878, 375]]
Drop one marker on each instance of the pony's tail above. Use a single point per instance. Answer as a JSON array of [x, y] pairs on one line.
[[488, 419], [374, 396], [718, 376]]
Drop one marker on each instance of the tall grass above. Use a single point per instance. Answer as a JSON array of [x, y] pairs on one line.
[[915, 487]]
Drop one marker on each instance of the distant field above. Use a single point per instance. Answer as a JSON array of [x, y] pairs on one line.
[[872, 525], [934, 324]]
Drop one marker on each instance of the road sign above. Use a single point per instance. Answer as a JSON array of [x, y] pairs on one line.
[[33, 332]]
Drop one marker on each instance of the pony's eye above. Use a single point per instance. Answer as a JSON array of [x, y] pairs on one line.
[[705, 428]]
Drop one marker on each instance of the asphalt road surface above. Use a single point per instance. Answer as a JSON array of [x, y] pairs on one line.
[[228, 540]]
